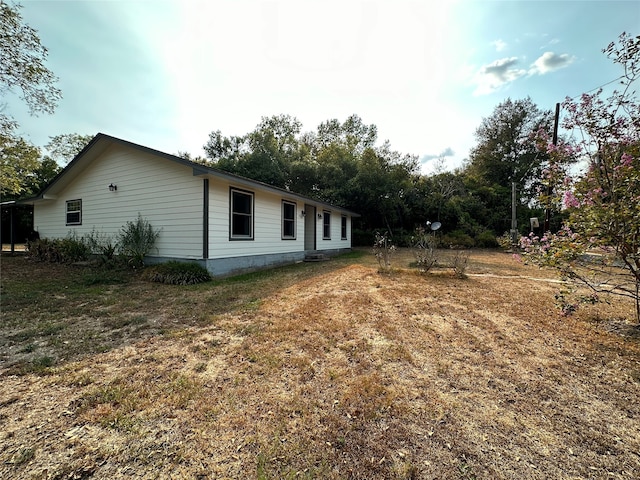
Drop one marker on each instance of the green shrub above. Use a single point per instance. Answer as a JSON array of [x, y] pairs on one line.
[[177, 273], [457, 239], [362, 238], [103, 246], [59, 250], [74, 248], [42, 250], [486, 239], [136, 240]]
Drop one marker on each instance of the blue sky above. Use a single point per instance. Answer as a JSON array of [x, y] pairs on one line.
[[166, 73]]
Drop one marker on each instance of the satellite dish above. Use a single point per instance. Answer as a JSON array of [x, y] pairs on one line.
[[435, 226]]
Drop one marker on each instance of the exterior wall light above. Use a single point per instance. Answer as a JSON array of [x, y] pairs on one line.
[[319, 216], [112, 187]]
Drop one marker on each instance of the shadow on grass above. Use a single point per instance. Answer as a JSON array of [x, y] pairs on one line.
[[52, 314]]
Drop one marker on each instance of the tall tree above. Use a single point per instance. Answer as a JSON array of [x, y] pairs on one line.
[[63, 148], [339, 163], [22, 71], [506, 151], [19, 161], [265, 154], [22, 63]]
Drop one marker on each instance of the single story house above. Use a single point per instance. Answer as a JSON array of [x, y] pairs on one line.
[[222, 221]]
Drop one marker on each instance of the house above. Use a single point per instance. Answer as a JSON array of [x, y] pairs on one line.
[[222, 221]]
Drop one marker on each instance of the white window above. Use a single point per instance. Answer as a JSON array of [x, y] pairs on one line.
[[74, 212], [288, 220], [241, 215]]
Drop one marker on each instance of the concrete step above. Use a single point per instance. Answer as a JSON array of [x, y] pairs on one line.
[[315, 257]]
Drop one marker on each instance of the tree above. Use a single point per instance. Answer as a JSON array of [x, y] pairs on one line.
[[63, 148], [599, 245], [18, 162], [22, 63], [265, 154], [22, 68], [506, 153], [23, 172], [339, 163]]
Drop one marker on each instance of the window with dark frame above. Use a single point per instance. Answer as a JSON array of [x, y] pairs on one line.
[[343, 228], [288, 220], [326, 225], [74, 212], [241, 213]]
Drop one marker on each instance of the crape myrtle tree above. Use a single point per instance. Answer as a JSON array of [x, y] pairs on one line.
[[599, 244], [506, 153]]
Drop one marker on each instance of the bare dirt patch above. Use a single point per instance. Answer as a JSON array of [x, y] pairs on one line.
[[329, 371]]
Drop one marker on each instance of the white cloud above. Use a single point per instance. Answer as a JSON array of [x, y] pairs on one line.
[[499, 45], [549, 62], [447, 152], [493, 76]]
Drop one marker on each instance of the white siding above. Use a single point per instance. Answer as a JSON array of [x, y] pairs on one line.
[[165, 193], [267, 222], [170, 197], [336, 242]]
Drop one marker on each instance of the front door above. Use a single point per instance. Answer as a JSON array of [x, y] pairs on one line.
[[309, 228]]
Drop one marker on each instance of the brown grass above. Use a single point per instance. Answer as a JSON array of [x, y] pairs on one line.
[[329, 370]]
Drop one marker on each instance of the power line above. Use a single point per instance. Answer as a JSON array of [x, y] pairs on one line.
[[599, 87]]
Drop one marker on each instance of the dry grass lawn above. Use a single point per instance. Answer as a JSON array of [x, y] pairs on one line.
[[329, 370]]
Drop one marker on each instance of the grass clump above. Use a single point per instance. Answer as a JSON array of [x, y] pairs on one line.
[[136, 240], [177, 273]]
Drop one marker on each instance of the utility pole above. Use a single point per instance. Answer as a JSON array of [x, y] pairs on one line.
[[547, 212], [514, 220]]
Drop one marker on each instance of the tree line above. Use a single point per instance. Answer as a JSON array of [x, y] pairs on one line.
[[342, 162]]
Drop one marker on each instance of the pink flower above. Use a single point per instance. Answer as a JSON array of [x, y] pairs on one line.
[[626, 160], [569, 200]]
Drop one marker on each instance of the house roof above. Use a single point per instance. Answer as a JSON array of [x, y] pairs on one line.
[[101, 142]]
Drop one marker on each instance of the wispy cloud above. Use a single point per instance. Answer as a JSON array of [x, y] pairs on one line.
[[496, 75], [500, 45], [447, 152], [549, 62], [493, 76]]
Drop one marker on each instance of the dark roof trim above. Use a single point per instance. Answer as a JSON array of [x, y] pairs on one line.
[[198, 169]]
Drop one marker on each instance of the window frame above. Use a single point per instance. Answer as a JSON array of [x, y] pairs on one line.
[[326, 225], [343, 227], [288, 221], [78, 211], [232, 214]]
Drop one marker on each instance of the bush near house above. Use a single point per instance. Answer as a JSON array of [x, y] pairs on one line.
[[177, 273], [59, 250], [135, 240]]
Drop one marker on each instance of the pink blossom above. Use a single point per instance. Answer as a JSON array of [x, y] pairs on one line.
[[569, 200], [626, 160]]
